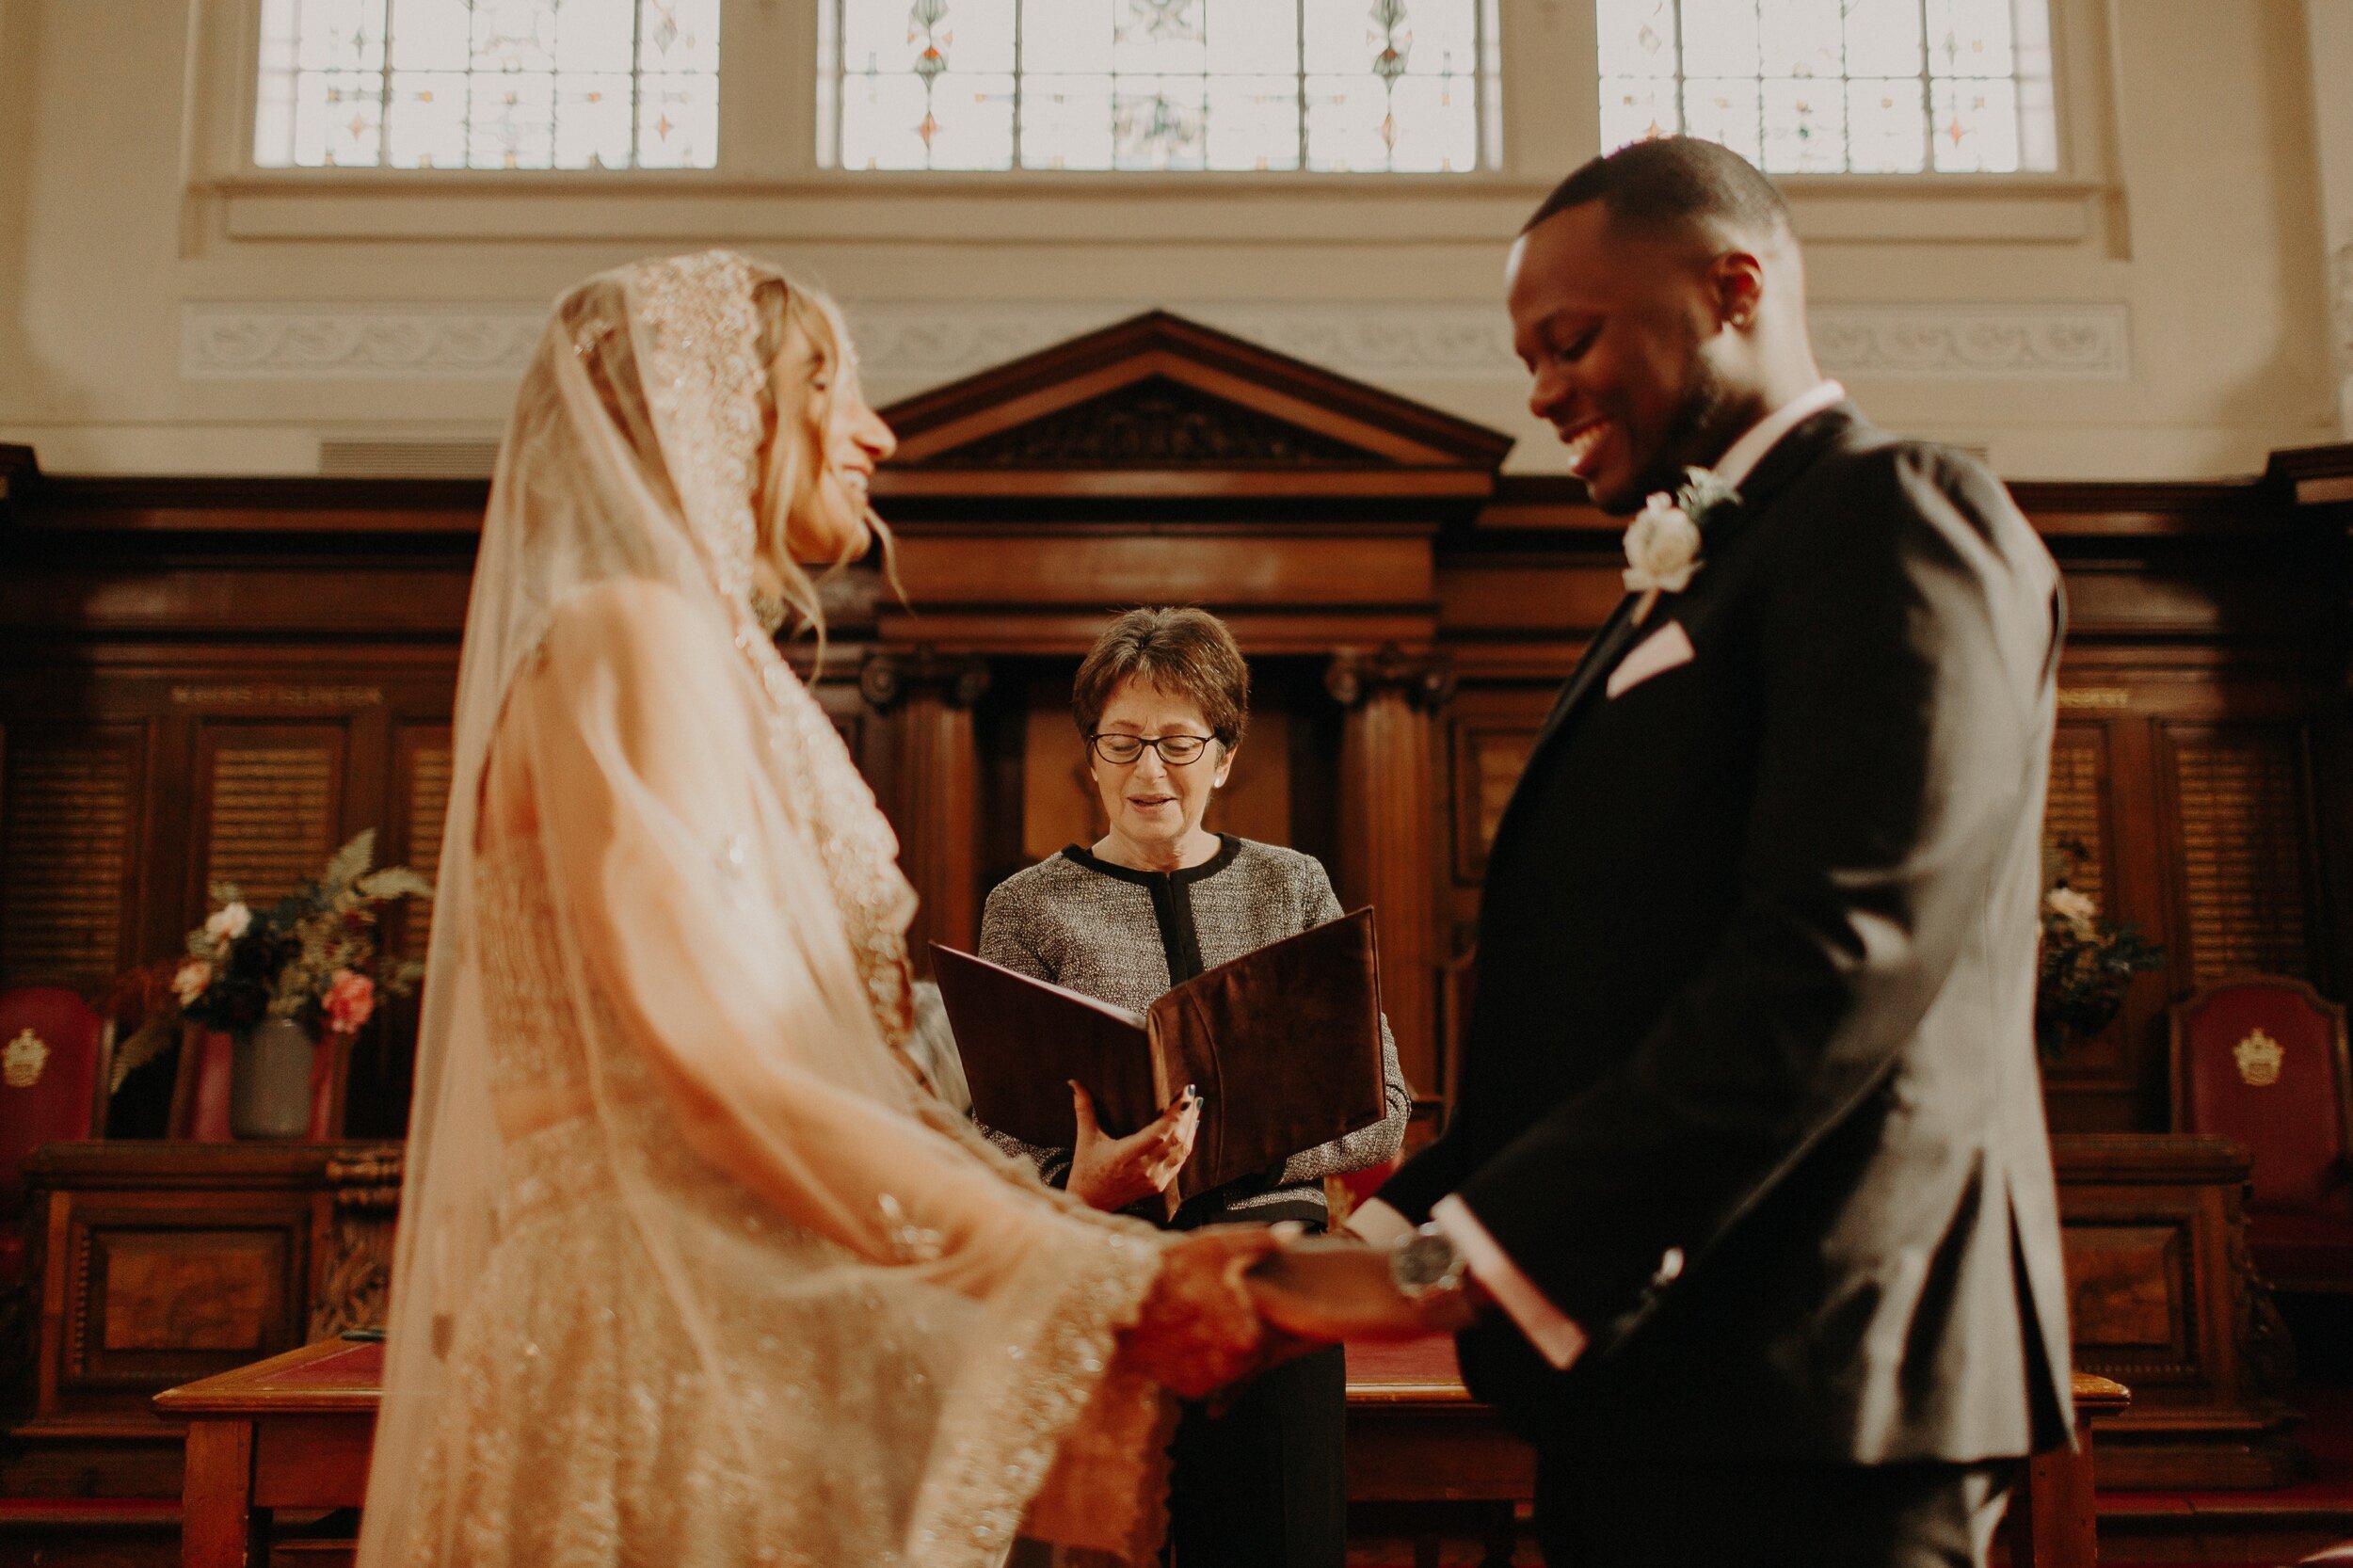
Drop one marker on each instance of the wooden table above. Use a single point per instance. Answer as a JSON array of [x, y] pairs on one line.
[[294, 1431], [2052, 1520], [1423, 1452]]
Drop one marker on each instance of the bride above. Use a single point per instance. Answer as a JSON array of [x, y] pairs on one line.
[[690, 1269]]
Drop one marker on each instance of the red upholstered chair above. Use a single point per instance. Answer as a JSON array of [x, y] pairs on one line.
[[2262, 1060], [55, 1056]]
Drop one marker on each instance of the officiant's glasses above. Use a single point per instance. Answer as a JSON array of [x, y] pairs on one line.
[[1176, 750]]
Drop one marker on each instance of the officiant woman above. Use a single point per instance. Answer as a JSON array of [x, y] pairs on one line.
[[1161, 702]]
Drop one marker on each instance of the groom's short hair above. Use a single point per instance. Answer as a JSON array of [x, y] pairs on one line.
[[1670, 183]]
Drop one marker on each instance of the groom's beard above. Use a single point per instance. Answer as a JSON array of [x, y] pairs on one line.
[[1696, 436]]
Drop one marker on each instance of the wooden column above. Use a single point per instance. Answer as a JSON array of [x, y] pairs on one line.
[[1388, 850], [933, 793]]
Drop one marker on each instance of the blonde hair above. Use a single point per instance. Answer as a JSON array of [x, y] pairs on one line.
[[791, 312]]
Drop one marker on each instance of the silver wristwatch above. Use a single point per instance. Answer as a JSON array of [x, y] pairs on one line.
[[1426, 1265]]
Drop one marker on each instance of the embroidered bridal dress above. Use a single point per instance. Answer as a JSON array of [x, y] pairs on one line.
[[732, 1289]]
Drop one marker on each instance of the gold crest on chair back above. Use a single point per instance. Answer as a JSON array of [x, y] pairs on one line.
[[2261, 1059]]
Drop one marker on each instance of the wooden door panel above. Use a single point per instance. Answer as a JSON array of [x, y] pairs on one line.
[[162, 1290]]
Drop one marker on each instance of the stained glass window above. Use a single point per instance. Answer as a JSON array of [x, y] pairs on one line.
[[1836, 86], [489, 84], [1323, 86]]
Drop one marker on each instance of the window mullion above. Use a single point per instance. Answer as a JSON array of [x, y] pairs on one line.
[[1298, 28], [1020, 15], [384, 90], [1928, 93]]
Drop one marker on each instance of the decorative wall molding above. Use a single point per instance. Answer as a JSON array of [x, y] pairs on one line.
[[356, 342], [909, 346], [1975, 341]]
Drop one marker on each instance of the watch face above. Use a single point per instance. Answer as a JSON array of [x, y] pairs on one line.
[[1425, 1263]]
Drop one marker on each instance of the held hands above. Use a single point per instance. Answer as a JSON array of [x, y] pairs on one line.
[[1326, 1288], [1198, 1329], [1231, 1301], [1109, 1172]]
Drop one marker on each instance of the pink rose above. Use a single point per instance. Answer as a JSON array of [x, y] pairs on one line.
[[194, 976], [350, 1001]]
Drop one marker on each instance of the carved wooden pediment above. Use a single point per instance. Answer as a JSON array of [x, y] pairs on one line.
[[1158, 422], [1161, 405]]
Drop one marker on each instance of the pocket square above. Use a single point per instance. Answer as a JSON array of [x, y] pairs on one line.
[[1655, 654]]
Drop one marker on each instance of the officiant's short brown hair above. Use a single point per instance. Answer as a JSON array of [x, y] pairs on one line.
[[1184, 652]]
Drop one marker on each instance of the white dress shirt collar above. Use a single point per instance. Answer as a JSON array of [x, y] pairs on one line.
[[1740, 459]]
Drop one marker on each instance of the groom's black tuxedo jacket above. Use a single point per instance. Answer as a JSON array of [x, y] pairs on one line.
[[1755, 982]]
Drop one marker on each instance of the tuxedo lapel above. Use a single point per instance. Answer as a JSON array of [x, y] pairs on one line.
[[1600, 654], [1606, 645], [1790, 457]]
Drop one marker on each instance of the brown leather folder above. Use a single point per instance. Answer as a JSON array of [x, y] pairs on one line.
[[1283, 1045]]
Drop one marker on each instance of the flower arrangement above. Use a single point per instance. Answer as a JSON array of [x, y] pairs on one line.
[[2085, 963], [311, 957]]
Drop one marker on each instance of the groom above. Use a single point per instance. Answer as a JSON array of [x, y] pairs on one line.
[[1749, 1159]]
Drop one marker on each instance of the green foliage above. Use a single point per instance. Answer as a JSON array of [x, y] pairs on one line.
[[158, 1034], [349, 864]]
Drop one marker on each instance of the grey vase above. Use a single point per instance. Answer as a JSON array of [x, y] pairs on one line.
[[269, 1082]]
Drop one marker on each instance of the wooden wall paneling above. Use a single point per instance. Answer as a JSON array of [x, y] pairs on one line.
[[1022, 697], [1491, 731], [2237, 795], [72, 802], [939, 813], [2095, 1085], [1059, 803], [2332, 841], [2138, 1087], [2217, 604], [2132, 698], [1389, 830], [418, 797], [268, 804], [1316, 732], [932, 786]]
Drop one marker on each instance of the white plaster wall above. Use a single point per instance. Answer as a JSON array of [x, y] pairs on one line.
[[2160, 309]]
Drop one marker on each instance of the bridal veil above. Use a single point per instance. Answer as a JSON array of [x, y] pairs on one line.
[[727, 925]]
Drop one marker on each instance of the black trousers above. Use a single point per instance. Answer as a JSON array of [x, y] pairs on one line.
[[1261, 1486], [1701, 1514]]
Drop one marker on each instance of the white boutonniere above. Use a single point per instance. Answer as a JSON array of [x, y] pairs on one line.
[[1662, 543]]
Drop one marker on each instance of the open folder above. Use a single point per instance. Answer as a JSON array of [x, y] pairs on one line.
[[1283, 1045]]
